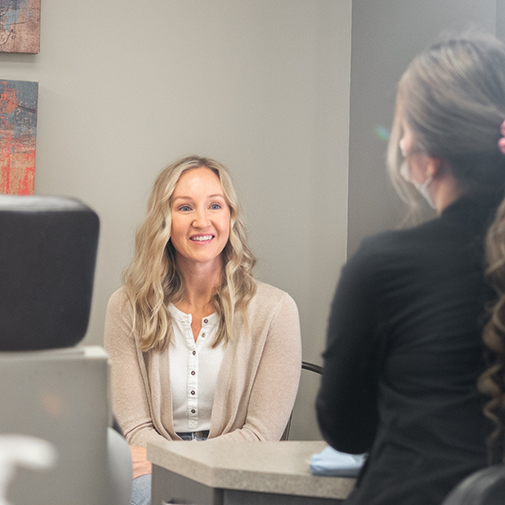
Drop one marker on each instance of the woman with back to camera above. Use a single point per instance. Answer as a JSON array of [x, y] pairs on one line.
[[199, 348], [404, 346]]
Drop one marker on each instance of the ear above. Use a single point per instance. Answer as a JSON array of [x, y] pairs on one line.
[[437, 167]]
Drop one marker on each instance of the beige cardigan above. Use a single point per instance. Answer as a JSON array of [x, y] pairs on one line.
[[256, 386]]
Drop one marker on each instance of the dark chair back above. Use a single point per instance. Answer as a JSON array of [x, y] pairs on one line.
[[311, 367], [47, 261], [484, 487]]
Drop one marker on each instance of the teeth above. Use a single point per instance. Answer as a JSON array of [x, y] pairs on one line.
[[201, 238]]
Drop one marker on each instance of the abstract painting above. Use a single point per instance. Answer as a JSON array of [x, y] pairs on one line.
[[20, 26], [18, 132]]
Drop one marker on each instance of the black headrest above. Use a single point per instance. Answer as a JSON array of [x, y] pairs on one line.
[[47, 262]]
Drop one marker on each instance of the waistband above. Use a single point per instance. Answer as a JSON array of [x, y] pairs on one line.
[[194, 435]]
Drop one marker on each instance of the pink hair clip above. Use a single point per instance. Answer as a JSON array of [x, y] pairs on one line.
[[501, 142]]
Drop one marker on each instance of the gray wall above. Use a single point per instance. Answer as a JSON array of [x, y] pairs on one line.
[[500, 19], [386, 36], [261, 85]]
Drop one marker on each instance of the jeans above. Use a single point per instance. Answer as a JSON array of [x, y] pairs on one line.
[[200, 436], [141, 486], [141, 490]]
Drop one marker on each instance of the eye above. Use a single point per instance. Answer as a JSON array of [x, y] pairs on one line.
[[184, 208], [215, 206]]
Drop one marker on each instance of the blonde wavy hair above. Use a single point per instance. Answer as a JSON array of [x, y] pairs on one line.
[[153, 279], [452, 97]]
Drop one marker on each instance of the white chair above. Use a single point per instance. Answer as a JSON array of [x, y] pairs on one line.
[[50, 388]]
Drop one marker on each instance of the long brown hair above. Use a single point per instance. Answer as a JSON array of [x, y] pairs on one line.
[[452, 97]]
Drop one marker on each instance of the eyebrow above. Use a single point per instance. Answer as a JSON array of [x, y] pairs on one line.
[[189, 198]]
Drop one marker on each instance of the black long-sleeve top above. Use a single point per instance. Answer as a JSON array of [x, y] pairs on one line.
[[403, 355]]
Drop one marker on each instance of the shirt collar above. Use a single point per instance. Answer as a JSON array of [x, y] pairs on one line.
[[177, 314], [472, 213]]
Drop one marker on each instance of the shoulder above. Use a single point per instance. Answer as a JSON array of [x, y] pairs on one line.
[[272, 300], [118, 298], [382, 249], [267, 294], [119, 304], [273, 316], [388, 241], [386, 256], [118, 320]]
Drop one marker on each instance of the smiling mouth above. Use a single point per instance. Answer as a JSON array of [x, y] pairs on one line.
[[202, 238]]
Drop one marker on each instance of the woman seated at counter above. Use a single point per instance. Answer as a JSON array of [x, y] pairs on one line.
[[199, 349], [404, 347]]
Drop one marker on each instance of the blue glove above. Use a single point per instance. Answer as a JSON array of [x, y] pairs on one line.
[[336, 464]]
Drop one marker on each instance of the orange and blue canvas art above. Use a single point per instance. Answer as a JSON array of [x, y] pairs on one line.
[[20, 26], [18, 133]]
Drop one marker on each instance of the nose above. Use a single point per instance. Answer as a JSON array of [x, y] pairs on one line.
[[201, 219]]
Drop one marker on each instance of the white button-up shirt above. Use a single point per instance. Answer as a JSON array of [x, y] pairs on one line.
[[194, 367]]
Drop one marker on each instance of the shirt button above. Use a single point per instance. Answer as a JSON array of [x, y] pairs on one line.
[[193, 411], [203, 334], [193, 353], [192, 392], [193, 372], [205, 321]]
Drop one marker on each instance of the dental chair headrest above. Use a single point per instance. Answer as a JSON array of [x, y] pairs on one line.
[[47, 261]]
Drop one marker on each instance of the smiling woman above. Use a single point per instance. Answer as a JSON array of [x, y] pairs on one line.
[[200, 221], [195, 341]]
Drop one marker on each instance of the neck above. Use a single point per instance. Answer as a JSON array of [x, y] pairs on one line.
[[445, 191], [201, 281]]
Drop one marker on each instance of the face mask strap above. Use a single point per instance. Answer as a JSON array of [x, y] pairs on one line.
[[423, 190]]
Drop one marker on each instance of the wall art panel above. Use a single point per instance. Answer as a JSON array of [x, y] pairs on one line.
[[18, 132], [20, 26]]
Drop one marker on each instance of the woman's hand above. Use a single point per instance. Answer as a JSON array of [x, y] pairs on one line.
[[139, 460]]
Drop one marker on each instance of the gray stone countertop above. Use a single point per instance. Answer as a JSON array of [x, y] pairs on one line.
[[268, 467]]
